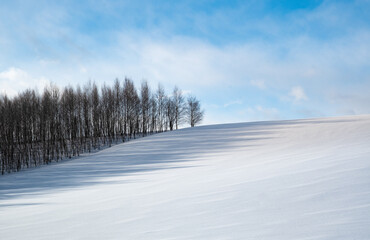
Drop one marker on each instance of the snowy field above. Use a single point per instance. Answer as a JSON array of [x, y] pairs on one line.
[[300, 179]]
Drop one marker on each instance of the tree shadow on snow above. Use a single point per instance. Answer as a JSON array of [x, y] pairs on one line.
[[157, 152]]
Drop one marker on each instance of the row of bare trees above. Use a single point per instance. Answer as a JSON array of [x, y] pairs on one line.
[[36, 129]]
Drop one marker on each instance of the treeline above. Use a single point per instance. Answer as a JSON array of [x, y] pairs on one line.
[[37, 129]]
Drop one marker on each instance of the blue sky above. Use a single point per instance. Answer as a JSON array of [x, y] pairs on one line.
[[245, 60]]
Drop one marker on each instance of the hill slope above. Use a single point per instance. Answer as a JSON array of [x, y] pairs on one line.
[[301, 179]]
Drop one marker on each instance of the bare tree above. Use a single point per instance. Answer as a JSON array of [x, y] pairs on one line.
[[180, 106], [193, 111], [171, 112], [145, 106], [161, 107], [96, 113], [153, 114], [87, 115]]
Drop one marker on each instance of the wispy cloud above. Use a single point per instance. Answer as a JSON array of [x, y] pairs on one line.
[[260, 113], [237, 102], [259, 83], [219, 54], [298, 94], [14, 80]]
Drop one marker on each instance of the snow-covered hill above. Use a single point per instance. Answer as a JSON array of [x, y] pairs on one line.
[[301, 179]]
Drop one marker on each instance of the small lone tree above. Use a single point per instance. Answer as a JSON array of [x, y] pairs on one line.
[[193, 112]]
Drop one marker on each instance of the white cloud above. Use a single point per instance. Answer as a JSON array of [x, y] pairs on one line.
[[14, 80], [205, 68], [83, 70], [298, 94], [13, 74], [351, 103], [258, 112], [237, 102], [259, 83]]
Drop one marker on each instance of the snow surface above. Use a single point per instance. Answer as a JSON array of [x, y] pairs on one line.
[[300, 179]]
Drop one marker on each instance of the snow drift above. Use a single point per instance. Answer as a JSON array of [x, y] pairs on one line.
[[300, 179]]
